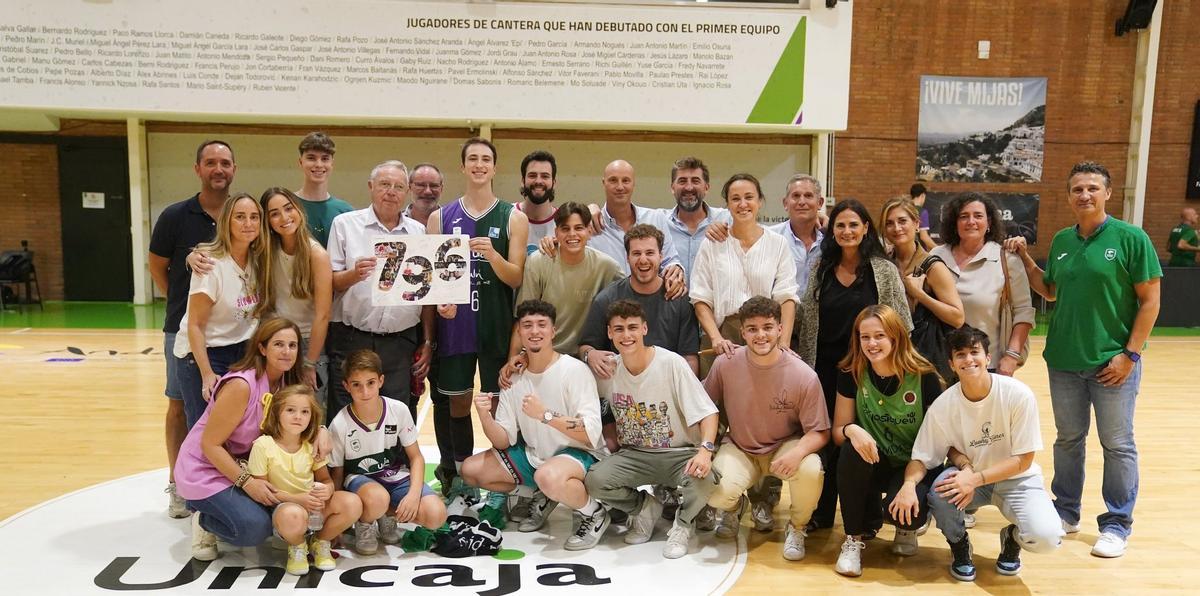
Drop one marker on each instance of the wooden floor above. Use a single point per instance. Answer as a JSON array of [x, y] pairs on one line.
[[78, 407]]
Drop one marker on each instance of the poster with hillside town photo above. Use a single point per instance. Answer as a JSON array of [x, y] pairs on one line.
[[981, 129]]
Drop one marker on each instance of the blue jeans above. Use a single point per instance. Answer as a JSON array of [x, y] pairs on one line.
[[1074, 394], [191, 383], [172, 390], [234, 517], [1022, 501]]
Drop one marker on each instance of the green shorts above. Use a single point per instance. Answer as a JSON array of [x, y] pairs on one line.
[[517, 463], [456, 374]]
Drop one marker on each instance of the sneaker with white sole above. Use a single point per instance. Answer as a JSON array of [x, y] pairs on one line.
[[962, 568], [590, 530], [706, 520], [679, 542], [366, 538], [389, 531], [731, 522], [322, 554], [1069, 527], [1109, 545], [176, 505], [297, 559], [641, 526], [539, 511], [204, 543], [849, 562], [793, 543], [969, 520], [763, 516], [1009, 560], [905, 543], [519, 510]]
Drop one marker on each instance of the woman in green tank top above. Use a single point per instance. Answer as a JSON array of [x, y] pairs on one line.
[[884, 387]]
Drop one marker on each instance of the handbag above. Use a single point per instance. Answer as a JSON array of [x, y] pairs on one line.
[[1006, 313], [929, 332]]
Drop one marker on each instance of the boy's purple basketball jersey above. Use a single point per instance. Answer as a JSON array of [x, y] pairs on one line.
[[485, 323]]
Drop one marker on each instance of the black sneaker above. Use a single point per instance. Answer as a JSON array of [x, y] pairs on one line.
[[962, 568], [1009, 561], [445, 477]]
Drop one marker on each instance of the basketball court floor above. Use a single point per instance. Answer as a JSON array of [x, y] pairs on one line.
[[81, 441]]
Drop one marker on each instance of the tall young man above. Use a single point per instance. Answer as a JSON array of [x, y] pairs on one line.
[[666, 427], [778, 422], [987, 426], [320, 207], [539, 172], [545, 432], [1104, 276], [475, 336]]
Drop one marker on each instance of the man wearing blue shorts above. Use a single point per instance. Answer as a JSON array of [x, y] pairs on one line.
[[554, 408]]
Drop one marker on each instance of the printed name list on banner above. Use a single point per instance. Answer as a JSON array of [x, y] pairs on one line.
[[421, 269], [498, 61]]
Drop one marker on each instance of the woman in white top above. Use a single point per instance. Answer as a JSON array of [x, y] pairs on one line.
[[973, 232], [751, 263], [298, 280], [223, 305]]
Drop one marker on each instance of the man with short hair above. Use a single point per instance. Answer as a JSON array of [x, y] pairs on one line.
[[666, 427], [691, 216], [1104, 276], [545, 433], [802, 201], [180, 227], [320, 207], [396, 333], [572, 279], [475, 336], [427, 186], [539, 171], [1182, 243], [778, 423], [917, 192], [987, 426]]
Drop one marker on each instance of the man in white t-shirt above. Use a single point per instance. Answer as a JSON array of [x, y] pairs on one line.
[[666, 428], [545, 432], [987, 426]]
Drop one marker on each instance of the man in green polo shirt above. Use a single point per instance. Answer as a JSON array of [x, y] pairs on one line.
[[1183, 243], [1104, 275]]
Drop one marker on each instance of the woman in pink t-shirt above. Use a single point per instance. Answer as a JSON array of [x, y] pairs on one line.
[[231, 503]]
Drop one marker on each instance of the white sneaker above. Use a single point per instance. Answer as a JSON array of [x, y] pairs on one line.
[[204, 543], [905, 543], [176, 505], [539, 511], [1069, 527], [389, 532], [849, 562], [518, 511], [969, 520], [641, 526], [762, 516], [679, 542], [731, 523], [793, 543], [589, 532], [366, 538], [1109, 546]]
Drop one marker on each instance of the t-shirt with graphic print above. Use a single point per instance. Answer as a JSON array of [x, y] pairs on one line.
[[658, 408], [767, 405], [999, 426], [374, 449]]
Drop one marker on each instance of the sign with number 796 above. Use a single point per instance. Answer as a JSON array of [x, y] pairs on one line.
[[421, 269]]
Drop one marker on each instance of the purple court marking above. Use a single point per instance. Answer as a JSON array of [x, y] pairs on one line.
[[64, 360]]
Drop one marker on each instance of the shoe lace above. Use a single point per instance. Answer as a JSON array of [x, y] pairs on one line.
[[585, 526], [852, 546], [678, 535], [320, 548], [367, 532]]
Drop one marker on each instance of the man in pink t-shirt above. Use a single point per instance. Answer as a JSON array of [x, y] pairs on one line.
[[777, 424]]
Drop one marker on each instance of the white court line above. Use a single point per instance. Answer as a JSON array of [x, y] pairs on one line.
[[423, 410], [19, 331]]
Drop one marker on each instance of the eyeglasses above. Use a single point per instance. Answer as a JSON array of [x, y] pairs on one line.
[[388, 186], [426, 186]]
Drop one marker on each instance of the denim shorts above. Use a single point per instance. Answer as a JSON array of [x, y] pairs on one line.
[[398, 490], [172, 391]]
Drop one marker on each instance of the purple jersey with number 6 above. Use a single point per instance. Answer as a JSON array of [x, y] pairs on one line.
[[484, 323]]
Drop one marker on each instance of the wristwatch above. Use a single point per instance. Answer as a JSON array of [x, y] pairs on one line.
[[547, 416], [1133, 356], [709, 446]]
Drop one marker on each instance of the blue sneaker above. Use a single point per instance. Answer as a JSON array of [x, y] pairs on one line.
[[1009, 561], [962, 568]]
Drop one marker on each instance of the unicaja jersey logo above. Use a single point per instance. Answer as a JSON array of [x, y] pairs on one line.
[[1110, 254]]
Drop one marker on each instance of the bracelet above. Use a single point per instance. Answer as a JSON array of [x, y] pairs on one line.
[[242, 479], [982, 478], [844, 426], [1013, 353], [588, 352]]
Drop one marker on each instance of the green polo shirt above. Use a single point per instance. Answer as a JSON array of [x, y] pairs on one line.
[[1182, 258], [1096, 303]]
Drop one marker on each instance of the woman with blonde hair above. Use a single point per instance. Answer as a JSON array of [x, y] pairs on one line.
[[223, 306], [884, 388]]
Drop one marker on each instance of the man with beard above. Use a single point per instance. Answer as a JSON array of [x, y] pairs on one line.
[[538, 173], [691, 215], [180, 227], [427, 184]]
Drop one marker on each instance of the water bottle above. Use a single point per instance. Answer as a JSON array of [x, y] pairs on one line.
[[316, 521]]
